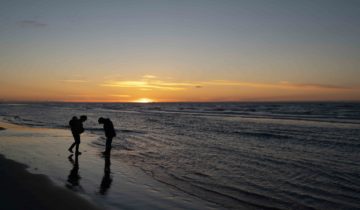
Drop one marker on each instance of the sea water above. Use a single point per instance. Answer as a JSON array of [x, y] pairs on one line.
[[257, 155]]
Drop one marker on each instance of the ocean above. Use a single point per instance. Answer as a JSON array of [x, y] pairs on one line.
[[257, 155]]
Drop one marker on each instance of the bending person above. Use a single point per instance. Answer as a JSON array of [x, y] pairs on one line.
[[109, 133]]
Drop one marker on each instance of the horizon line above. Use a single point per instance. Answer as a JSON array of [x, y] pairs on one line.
[[159, 102]]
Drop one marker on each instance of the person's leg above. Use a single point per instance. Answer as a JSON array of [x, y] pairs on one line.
[[71, 147], [73, 144], [108, 145], [77, 149], [77, 142]]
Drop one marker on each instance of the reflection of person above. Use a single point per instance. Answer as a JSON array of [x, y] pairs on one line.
[[76, 126], [74, 177], [109, 133], [107, 179]]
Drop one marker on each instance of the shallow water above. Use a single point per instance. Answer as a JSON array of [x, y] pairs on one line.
[[253, 155], [108, 183]]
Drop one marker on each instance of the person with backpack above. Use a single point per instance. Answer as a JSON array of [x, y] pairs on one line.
[[77, 128]]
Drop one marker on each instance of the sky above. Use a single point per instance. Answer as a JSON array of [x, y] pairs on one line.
[[188, 50]]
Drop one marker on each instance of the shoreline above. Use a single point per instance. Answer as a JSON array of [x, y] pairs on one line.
[[92, 181]]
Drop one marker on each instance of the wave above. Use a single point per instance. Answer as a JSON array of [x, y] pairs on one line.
[[23, 121], [262, 135], [250, 156], [348, 119]]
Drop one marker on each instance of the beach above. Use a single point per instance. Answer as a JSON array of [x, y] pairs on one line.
[[36, 192], [38, 172], [193, 155]]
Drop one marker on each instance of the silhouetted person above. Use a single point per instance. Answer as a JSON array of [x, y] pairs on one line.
[[109, 133], [77, 128], [74, 177], [107, 179]]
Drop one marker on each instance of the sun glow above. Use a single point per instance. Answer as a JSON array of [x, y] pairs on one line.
[[143, 100]]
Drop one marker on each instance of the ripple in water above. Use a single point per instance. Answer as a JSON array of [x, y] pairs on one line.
[[238, 155]]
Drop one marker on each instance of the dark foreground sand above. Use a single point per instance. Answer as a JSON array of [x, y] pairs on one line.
[[21, 190]]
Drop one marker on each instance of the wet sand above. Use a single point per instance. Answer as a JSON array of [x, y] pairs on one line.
[[39, 171], [23, 190]]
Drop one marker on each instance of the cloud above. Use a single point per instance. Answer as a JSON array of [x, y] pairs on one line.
[[120, 95], [235, 83], [31, 24], [113, 77], [149, 76], [283, 84], [312, 85], [149, 82], [74, 81]]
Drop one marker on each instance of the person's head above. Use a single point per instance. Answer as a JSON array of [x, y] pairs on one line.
[[74, 118], [101, 120], [83, 118]]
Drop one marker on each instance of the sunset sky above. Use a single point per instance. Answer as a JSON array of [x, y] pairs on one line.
[[188, 50]]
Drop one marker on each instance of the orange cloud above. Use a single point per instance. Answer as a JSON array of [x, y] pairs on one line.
[[120, 95], [317, 86], [149, 76], [148, 82], [74, 81], [283, 84]]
